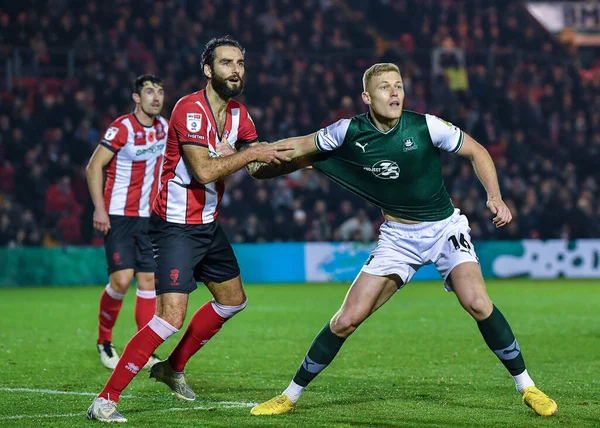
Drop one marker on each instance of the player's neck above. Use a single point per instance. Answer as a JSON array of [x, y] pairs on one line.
[[382, 123], [217, 103], [143, 118]]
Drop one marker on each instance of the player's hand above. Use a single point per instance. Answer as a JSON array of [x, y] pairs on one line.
[[273, 153], [224, 148], [101, 221], [499, 208]]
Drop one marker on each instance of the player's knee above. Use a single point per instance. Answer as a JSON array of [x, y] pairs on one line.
[[145, 282], [228, 311], [479, 307], [120, 282], [174, 318], [344, 324]]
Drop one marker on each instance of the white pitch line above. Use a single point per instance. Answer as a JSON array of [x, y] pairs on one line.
[[62, 415], [93, 394], [57, 392], [229, 403], [184, 409], [210, 405]]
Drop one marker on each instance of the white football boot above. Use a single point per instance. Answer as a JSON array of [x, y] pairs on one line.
[[108, 355], [104, 410], [153, 360]]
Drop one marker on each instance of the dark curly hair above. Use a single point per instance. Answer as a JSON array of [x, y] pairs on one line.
[[208, 56]]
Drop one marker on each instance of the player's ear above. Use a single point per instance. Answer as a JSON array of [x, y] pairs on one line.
[[366, 97], [207, 71], [136, 98]]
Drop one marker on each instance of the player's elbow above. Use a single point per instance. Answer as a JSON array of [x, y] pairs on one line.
[[204, 177], [479, 153], [91, 168]]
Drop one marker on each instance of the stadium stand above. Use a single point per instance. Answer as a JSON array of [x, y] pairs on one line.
[[67, 73]]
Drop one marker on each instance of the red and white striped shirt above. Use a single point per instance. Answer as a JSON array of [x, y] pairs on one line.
[[181, 198], [132, 175]]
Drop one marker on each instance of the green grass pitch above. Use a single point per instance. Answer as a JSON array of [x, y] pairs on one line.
[[418, 362]]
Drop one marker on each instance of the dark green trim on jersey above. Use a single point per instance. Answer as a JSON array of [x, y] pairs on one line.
[[460, 142]]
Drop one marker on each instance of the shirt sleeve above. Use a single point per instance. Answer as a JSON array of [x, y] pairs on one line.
[[332, 136], [115, 137], [444, 135], [247, 133], [189, 124]]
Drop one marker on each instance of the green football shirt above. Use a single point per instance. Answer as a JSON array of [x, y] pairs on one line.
[[399, 170]]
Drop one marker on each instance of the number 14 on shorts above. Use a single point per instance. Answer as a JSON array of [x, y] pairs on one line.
[[460, 243]]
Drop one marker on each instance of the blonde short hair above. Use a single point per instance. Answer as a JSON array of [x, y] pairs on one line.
[[376, 70]]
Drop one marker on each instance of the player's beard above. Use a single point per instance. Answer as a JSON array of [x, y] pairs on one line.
[[222, 88]]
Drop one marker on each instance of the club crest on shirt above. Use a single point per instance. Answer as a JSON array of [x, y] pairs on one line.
[[408, 145], [194, 122]]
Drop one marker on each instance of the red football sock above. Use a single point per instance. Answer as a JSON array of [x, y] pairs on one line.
[[145, 306], [204, 324], [135, 355], [110, 305]]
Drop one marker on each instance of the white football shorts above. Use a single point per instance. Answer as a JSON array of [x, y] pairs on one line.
[[403, 248]]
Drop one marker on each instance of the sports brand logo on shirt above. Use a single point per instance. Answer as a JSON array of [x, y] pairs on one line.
[[194, 122], [362, 146], [111, 133], [384, 169], [409, 144]]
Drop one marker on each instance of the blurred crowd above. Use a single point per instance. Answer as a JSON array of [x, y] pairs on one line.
[[486, 66]]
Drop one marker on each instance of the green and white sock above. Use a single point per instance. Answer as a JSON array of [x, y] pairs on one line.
[[320, 354], [500, 339]]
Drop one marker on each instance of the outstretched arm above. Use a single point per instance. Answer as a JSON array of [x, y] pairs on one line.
[[486, 172], [262, 171], [301, 157], [208, 169]]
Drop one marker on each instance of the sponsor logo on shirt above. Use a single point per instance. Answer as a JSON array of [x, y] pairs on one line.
[[384, 169], [152, 149]]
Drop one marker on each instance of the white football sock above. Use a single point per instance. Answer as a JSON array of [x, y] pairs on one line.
[[293, 391], [522, 381]]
